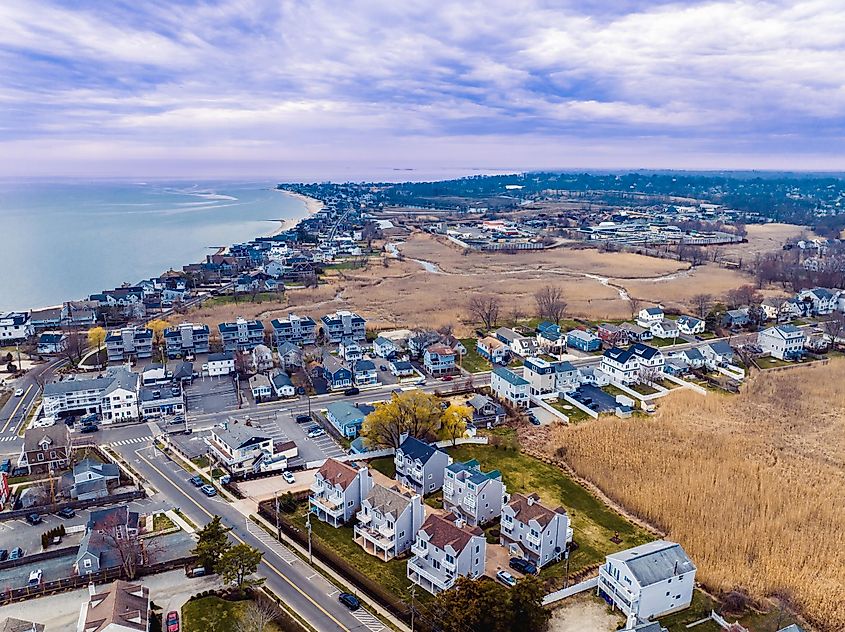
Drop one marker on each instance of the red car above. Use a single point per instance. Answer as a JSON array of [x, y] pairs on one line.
[[172, 621], [447, 378]]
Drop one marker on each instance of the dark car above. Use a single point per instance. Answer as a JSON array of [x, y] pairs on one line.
[[4, 554], [533, 419], [6, 465], [67, 512], [351, 391], [196, 481], [19, 471], [526, 567], [33, 519], [349, 600], [89, 428], [303, 419], [172, 621], [16, 554]]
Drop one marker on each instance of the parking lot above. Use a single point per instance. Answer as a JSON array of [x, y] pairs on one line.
[[604, 402], [211, 394]]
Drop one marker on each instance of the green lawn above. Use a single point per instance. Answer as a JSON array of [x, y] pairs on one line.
[[644, 389], [391, 575], [212, 614], [707, 335], [610, 389], [261, 297], [665, 342], [701, 606], [770, 362], [593, 522], [162, 522], [575, 414], [386, 465], [472, 360]]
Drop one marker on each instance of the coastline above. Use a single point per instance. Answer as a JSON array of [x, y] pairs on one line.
[[312, 205]]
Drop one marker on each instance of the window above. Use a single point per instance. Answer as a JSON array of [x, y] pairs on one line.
[[449, 558], [401, 534], [87, 563]]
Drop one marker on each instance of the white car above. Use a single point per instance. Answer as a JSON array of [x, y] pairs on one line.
[[19, 392], [288, 476], [506, 578], [34, 578], [316, 432]]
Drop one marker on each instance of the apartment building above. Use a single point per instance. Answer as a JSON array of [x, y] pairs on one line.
[[473, 494], [113, 396], [338, 490], [299, 330], [533, 530], [344, 324], [15, 327], [388, 521], [187, 339], [129, 342], [241, 335], [446, 548]]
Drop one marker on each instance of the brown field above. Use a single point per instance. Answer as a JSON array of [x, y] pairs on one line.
[[750, 485], [762, 238], [403, 294]]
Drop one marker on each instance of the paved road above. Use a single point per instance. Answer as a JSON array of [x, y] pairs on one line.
[[297, 583]]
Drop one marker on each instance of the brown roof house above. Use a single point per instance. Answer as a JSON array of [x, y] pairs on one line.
[[45, 449], [122, 607], [338, 490], [534, 531], [446, 548]]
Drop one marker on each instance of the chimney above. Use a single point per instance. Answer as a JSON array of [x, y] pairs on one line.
[[459, 522]]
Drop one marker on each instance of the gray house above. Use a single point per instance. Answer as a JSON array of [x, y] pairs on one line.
[[533, 530], [472, 494], [445, 549], [486, 411], [420, 466], [186, 339], [241, 335], [388, 521], [91, 479], [129, 342]]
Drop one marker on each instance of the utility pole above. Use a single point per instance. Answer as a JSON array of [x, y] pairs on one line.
[[308, 526], [413, 604]]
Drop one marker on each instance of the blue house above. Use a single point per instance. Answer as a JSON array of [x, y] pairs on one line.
[[346, 418], [336, 373], [583, 340]]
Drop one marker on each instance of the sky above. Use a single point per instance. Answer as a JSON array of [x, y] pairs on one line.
[[166, 88]]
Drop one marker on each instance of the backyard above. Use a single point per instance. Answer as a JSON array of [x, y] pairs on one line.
[[213, 614], [472, 361]]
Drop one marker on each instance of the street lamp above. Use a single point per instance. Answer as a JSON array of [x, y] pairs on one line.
[[308, 526]]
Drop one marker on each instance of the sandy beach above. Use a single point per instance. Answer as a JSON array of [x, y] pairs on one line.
[[312, 205]]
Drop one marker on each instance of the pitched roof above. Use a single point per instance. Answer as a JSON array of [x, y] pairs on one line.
[[655, 561], [653, 311], [338, 473], [388, 500], [491, 343], [443, 532], [239, 435], [644, 351], [122, 604], [416, 449], [509, 376], [473, 472], [58, 436], [345, 413], [528, 508]]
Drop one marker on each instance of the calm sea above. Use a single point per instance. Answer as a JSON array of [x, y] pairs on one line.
[[66, 240]]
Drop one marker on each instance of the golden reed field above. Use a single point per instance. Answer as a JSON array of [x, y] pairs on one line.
[[751, 485]]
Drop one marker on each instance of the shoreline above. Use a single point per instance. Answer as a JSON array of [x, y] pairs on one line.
[[312, 206]]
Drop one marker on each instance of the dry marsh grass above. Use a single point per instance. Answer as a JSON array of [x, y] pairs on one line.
[[750, 485]]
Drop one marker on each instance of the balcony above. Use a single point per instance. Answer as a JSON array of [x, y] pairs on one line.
[[316, 488], [428, 574], [386, 531], [364, 517], [533, 540], [448, 490], [419, 550], [450, 567], [332, 505]]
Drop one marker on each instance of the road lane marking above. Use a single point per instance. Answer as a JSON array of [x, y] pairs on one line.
[[15, 411], [241, 540]]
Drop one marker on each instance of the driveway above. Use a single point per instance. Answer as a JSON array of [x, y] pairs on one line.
[[584, 612], [605, 401]]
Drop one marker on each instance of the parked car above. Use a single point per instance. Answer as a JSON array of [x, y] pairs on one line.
[[316, 432], [89, 428], [197, 481], [66, 512], [19, 471], [199, 571], [33, 519], [35, 578], [526, 567], [288, 476], [172, 621], [349, 600], [19, 392], [303, 419], [506, 578], [6, 465], [208, 490], [16, 554], [90, 418], [4, 554], [446, 378], [352, 391]]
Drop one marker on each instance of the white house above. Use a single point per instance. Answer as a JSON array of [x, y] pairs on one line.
[[221, 363], [260, 386], [820, 301], [445, 548], [717, 353], [534, 531], [114, 395], [119, 607], [384, 348], [690, 325], [15, 327], [621, 365], [420, 466], [245, 450], [493, 349], [550, 377], [338, 490], [649, 316], [388, 521], [282, 385], [648, 581], [785, 342], [510, 387], [473, 494], [665, 329]]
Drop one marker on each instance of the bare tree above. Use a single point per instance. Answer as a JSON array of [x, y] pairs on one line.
[[74, 348], [701, 304], [255, 617], [635, 304], [550, 303], [485, 309], [834, 327], [126, 543]]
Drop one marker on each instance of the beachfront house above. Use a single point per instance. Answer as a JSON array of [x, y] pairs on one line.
[[337, 491], [186, 340], [649, 316], [531, 530], [689, 325], [388, 521], [129, 342], [15, 327], [298, 330], [446, 548], [343, 324], [473, 494], [583, 340], [420, 466], [647, 581], [510, 387], [241, 335]]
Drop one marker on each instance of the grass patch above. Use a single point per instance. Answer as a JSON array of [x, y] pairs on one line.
[[644, 389], [386, 465], [701, 606], [473, 361], [771, 362], [161, 522], [665, 342], [213, 614], [574, 413], [435, 500], [707, 335], [610, 389], [391, 575], [185, 518], [201, 462], [261, 297], [593, 522]]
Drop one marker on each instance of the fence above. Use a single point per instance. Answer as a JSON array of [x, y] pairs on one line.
[[571, 400], [550, 409], [11, 595], [49, 554], [74, 504], [572, 590]]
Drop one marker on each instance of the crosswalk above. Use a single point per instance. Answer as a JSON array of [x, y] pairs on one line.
[[270, 542], [11, 437], [368, 620], [115, 444]]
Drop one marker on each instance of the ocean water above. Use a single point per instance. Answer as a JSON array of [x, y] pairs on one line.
[[63, 240]]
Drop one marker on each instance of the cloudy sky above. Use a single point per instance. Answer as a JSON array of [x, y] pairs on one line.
[[255, 87]]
